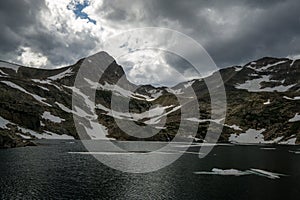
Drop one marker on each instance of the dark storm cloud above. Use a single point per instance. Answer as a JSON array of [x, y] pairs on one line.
[[232, 31], [263, 28], [15, 17]]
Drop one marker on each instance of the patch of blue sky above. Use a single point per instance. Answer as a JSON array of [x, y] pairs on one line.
[[77, 7]]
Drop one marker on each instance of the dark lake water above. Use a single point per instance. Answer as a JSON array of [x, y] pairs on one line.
[[50, 171]]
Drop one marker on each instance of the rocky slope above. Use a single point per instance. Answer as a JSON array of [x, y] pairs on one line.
[[263, 103]]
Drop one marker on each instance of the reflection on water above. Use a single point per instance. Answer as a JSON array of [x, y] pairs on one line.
[[63, 169]]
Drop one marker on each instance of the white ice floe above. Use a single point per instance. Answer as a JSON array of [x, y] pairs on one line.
[[235, 172], [36, 97], [295, 118], [126, 153], [204, 144], [293, 99], [267, 102], [225, 172], [295, 152], [48, 116], [254, 85], [61, 75], [268, 148], [265, 173], [250, 136], [9, 66]]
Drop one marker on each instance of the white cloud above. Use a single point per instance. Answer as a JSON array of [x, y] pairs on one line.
[[32, 59], [149, 66]]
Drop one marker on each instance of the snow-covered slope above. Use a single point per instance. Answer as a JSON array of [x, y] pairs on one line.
[[263, 103]]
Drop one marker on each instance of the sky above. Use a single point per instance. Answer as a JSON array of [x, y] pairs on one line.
[[56, 33]]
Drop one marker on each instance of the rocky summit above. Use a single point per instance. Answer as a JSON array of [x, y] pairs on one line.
[[263, 104]]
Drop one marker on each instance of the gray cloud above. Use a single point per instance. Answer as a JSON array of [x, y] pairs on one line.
[[260, 28], [15, 17], [233, 31]]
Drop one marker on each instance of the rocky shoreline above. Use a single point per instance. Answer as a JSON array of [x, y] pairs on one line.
[[11, 140]]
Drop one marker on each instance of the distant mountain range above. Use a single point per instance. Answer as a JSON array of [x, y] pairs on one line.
[[263, 100]]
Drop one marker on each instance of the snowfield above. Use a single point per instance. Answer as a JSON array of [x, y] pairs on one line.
[[254, 85]]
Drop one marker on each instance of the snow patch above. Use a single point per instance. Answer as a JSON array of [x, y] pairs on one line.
[[235, 127], [295, 118], [291, 141], [250, 136], [175, 92], [156, 120], [218, 121], [3, 123], [293, 99], [97, 131], [61, 75], [271, 65], [44, 88], [189, 84], [64, 108], [153, 113], [48, 116], [53, 136], [9, 66], [36, 97], [41, 81], [267, 102], [254, 85], [237, 69]]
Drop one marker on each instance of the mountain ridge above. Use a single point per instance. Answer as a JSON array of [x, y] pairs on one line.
[[258, 103]]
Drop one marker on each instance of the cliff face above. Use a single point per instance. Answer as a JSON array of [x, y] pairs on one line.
[[263, 103]]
